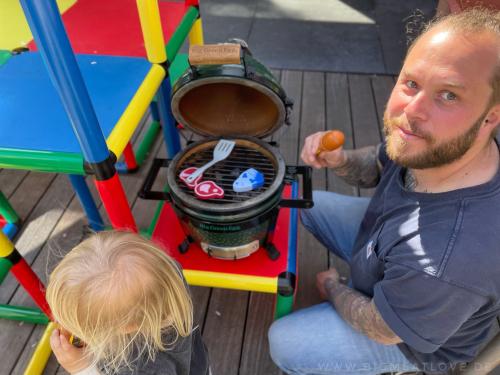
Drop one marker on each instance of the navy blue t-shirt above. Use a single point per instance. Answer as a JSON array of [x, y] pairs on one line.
[[431, 262]]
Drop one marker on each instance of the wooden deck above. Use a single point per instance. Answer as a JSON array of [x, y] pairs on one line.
[[234, 323]]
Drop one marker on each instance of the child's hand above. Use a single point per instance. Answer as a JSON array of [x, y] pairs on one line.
[[71, 358]]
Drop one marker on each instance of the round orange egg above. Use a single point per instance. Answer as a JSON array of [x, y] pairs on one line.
[[332, 140]]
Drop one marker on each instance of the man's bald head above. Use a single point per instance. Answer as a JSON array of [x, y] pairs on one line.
[[472, 24]]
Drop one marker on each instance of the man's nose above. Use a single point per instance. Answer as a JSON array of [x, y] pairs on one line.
[[418, 106]]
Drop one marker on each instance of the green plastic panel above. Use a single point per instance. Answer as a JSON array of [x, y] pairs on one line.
[[42, 161], [25, 314], [7, 211], [5, 266], [180, 34], [4, 56], [284, 306]]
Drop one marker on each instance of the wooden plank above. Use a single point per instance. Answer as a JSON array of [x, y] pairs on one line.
[[40, 221], [27, 194], [291, 82], [312, 256], [255, 357], [338, 116], [10, 179], [382, 87], [51, 367], [13, 335], [68, 232], [364, 115], [223, 331]]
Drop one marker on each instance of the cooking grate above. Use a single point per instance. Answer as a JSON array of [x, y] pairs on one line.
[[225, 172]]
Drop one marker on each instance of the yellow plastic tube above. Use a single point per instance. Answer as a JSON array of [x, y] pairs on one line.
[[149, 14], [6, 246], [14, 30], [41, 355], [130, 118], [196, 33], [232, 281]]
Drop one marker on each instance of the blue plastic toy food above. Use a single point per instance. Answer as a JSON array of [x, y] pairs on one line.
[[249, 180]]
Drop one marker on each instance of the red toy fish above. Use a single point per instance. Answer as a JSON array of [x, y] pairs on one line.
[[184, 175], [208, 190]]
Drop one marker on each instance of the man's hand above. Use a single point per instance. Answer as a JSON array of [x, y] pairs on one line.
[[330, 159], [331, 275], [71, 358], [359, 167]]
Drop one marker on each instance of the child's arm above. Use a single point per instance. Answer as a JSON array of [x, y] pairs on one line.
[[71, 358]]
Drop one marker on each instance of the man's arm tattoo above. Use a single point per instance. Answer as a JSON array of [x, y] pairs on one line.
[[361, 167], [360, 312]]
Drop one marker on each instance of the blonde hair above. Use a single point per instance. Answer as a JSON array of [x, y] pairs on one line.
[[119, 293], [473, 21]]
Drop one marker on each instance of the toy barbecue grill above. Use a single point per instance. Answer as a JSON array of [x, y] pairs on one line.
[[226, 93]]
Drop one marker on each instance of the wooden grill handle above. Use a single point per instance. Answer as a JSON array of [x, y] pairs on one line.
[[215, 54]]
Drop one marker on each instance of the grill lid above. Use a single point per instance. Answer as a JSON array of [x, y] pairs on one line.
[[228, 99]]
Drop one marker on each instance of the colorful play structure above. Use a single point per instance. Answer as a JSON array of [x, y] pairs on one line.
[[86, 98], [9, 220], [83, 111]]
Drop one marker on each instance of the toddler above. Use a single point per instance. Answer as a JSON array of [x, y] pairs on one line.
[[127, 302]]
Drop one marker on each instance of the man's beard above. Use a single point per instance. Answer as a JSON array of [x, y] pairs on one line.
[[436, 154]]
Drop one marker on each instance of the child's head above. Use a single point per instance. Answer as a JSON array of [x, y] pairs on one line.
[[118, 292]]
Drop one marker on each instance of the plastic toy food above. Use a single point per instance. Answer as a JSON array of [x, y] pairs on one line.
[[208, 190], [330, 141], [249, 180], [186, 173]]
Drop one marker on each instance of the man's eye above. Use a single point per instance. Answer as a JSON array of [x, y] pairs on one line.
[[411, 84], [448, 96]]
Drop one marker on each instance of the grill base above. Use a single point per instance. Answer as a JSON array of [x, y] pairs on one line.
[[234, 252], [250, 273]]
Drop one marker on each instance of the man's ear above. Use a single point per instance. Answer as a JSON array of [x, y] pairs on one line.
[[492, 118], [491, 122]]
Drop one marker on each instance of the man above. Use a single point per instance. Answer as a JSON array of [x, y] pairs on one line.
[[425, 250]]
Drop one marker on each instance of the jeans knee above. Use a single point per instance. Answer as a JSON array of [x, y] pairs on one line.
[[307, 216], [275, 336], [279, 346]]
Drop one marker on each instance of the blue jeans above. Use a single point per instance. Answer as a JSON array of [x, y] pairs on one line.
[[316, 340]]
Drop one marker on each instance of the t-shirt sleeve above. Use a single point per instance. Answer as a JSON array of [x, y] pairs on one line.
[[423, 310]]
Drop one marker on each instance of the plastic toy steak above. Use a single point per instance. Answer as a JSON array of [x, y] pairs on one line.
[[208, 190], [186, 173], [249, 180]]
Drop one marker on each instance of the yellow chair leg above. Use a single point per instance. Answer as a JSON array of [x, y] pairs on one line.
[[42, 352]]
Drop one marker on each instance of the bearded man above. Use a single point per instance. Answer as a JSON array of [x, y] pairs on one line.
[[424, 251]]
